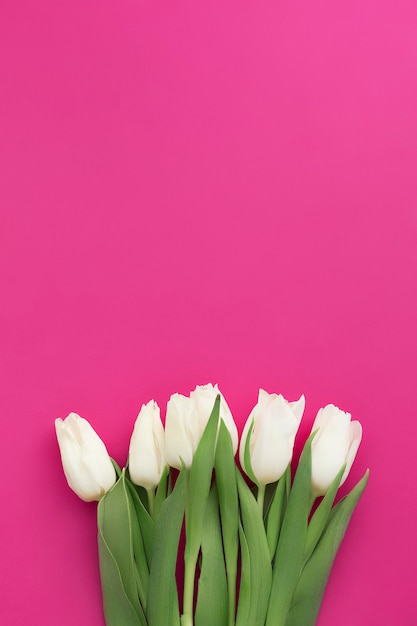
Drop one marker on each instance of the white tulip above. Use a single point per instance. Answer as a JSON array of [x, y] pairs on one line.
[[204, 397], [87, 465], [182, 430], [275, 424], [336, 443], [147, 447]]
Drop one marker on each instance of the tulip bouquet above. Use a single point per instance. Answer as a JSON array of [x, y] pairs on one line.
[[187, 538]]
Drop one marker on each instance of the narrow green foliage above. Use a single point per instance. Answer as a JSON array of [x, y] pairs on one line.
[[310, 589], [245, 595], [142, 568], [246, 455], [275, 514], [119, 610], [161, 492], [200, 479], [269, 496], [162, 607], [200, 476], [229, 512], [146, 523], [260, 572], [116, 467], [212, 604], [290, 550], [321, 515], [288, 482], [119, 575]]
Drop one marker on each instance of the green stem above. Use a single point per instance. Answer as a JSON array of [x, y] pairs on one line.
[[169, 486], [188, 599], [186, 620], [190, 564], [151, 500], [312, 501], [261, 498], [231, 591]]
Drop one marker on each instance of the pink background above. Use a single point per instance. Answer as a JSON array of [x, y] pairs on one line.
[[206, 191]]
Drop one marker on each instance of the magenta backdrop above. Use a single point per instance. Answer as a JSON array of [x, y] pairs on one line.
[[194, 192]]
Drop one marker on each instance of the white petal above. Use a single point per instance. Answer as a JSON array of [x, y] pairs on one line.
[[329, 447], [356, 438], [146, 452], [272, 439], [85, 460], [182, 431], [298, 407], [204, 397], [265, 398], [272, 449]]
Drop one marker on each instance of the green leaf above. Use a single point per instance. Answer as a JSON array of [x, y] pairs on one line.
[[162, 607], [146, 523], [270, 489], [116, 468], [288, 482], [310, 589], [229, 512], [212, 586], [118, 572], [141, 562], [260, 574], [246, 455], [200, 479], [118, 608], [245, 590], [161, 492], [290, 550], [321, 515], [275, 514], [200, 476]]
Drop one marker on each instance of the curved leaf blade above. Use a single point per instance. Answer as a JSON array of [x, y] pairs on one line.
[[229, 512], [259, 558], [162, 606], [311, 586], [119, 575], [310, 589], [212, 601], [275, 514], [291, 545]]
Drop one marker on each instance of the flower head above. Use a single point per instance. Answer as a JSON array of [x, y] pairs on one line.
[[147, 447], [204, 397], [336, 443], [182, 430], [275, 424], [186, 420], [87, 465]]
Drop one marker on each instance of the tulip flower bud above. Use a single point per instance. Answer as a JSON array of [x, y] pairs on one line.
[[86, 463], [336, 443], [147, 447], [204, 397], [275, 424], [182, 431]]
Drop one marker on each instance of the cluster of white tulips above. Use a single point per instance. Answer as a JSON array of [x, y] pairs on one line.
[[260, 547]]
